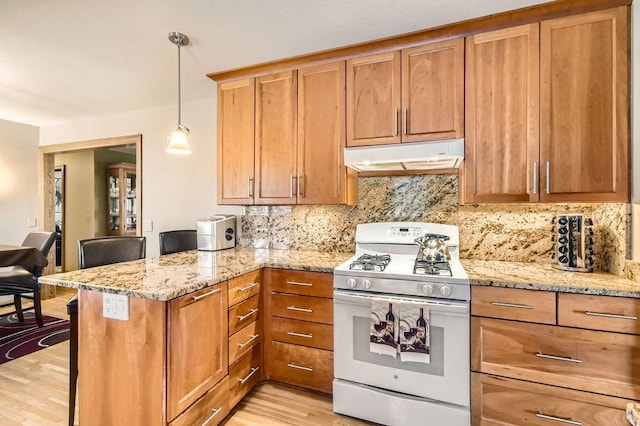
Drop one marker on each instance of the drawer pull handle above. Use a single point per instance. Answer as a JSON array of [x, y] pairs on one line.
[[602, 314], [207, 294], [253, 371], [559, 358], [293, 333], [295, 308], [249, 287], [251, 312], [215, 411], [300, 284], [299, 367], [512, 305], [253, 337], [540, 415]]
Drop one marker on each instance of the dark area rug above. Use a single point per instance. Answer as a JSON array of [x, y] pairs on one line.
[[21, 338]]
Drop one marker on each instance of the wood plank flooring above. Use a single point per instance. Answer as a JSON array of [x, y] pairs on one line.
[[33, 391]]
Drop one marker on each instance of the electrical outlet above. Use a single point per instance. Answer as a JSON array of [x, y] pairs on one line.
[[32, 222], [115, 306]]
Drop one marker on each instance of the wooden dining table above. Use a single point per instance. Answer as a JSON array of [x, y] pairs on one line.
[[20, 255]]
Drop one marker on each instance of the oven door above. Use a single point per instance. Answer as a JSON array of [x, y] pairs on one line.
[[446, 378]]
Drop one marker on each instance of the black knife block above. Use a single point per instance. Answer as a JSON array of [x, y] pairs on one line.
[[572, 237]]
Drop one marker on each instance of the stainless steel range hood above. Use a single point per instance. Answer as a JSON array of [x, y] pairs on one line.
[[446, 154]]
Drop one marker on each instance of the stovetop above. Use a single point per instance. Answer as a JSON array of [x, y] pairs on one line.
[[387, 253]]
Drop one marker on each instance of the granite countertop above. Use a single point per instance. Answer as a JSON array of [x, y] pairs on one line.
[[544, 277], [633, 413], [173, 275]]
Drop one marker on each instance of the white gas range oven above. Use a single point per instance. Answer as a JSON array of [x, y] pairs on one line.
[[401, 327]]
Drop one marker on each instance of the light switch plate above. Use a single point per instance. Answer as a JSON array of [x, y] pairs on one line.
[[115, 306], [32, 222], [147, 225]]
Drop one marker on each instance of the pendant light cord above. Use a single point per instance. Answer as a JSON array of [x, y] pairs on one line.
[[179, 91]]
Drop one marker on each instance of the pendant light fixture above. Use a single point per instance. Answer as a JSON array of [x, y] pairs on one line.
[[178, 139]]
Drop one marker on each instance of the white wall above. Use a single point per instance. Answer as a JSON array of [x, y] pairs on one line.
[[176, 190], [18, 180]]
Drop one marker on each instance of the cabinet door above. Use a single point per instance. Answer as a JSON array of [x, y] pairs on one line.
[[433, 91], [196, 346], [322, 176], [584, 107], [501, 123], [236, 142], [276, 138], [373, 99]]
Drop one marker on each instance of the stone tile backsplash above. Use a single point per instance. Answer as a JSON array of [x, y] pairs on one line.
[[508, 232]]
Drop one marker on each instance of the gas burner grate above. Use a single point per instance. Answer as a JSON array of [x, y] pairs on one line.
[[369, 262], [430, 267]]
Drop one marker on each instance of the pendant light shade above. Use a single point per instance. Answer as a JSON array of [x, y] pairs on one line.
[[178, 140]]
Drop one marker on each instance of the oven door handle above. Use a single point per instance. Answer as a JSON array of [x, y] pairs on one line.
[[344, 296]]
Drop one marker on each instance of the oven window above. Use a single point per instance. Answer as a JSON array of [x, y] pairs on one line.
[[361, 331]]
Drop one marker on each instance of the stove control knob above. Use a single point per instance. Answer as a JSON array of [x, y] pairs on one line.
[[352, 282], [427, 289], [366, 283], [445, 290]]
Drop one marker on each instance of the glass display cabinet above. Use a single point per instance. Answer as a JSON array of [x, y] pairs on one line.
[[122, 189]]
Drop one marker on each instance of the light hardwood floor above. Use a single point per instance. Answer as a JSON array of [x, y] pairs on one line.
[[33, 391]]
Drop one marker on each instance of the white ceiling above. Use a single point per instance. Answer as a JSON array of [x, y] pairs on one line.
[[63, 60]]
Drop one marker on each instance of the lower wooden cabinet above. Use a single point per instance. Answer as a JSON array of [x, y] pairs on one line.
[[245, 374], [503, 401], [302, 366], [211, 409], [304, 333]]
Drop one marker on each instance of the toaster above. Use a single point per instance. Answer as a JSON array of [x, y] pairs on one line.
[[216, 233]]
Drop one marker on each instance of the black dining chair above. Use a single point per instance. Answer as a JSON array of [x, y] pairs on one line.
[[176, 241], [22, 281], [96, 252]]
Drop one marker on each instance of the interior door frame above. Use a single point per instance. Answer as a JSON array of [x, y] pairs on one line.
[[46, 168]]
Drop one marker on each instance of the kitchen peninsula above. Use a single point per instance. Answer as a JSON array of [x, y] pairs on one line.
[[126, 366]]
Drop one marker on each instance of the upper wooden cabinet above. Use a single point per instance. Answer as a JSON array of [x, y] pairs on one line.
[[236, 141], [560, 135], [298, 120], [584, 107], [501, 123], [415, 94]]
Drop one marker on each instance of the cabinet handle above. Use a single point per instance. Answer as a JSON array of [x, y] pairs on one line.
[[253, 371], [605, 315], [395, 121], [294, 308], [215, 411], [249, 287], [548, 185], [540, 415], [251, 312], [299, 367], [535, 177], [293, 333], [291, 187], [559, 358], [300, 284], [512, 305], [299, 182], [249, 187], [253, 337], [404, 121], [207, 294]]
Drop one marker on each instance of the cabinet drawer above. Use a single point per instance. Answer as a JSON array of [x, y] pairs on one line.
[[306, 308], [245, 286], [211, 409], [302, 333], [244, 375], [245, 339], [606, 313], [500, 401], [596, 361], [302, 366], [318, 284], [513, 303], [242, 314]]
